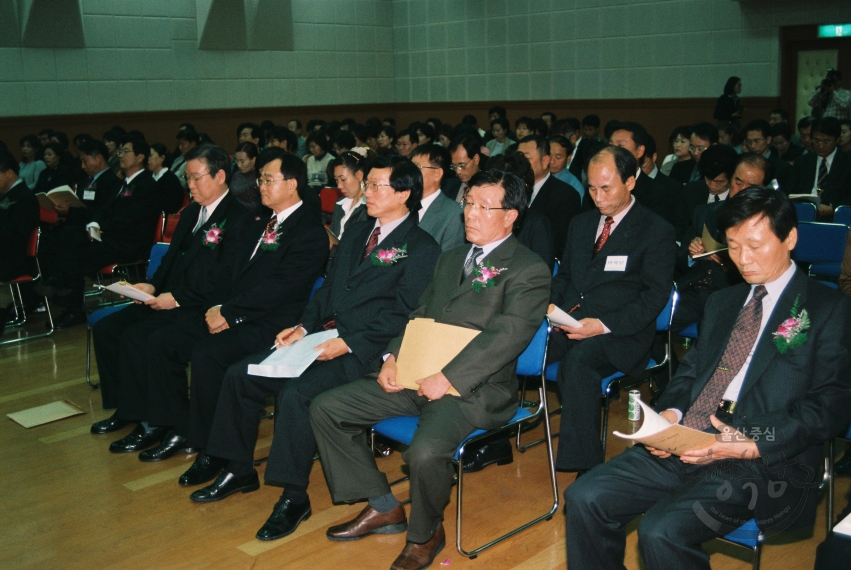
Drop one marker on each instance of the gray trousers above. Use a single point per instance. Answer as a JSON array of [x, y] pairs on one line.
[[341, 419]]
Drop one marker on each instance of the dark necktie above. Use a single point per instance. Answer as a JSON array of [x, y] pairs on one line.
[[123, 188], [717, 198], [202, 219], [604, 236], [90, 182], [371, 244], [822, 173], [270, 227], [741, 342], [472, 261]]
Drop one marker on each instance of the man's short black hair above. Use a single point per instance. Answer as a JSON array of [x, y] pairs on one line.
[[625, 162], [404, 175], [470, 120], [541, 143], [563, 127], [502, 122], [436, 156], [188, 135], [8, 162], [551, 114], [499, 110], [591, 121], [524, 120], [139, 147], [718, 159], [760, 162], [828, 126], [344, 139], [213, 155], [784, 114], [637, 133], [61, 138], [427, 131], [94, 148], [283, 134], [160, 149], [564, 142], [782, 130], [514, 189], [292, 167], [319, 139], [541, 127], [256, 132], [471, 144], [407, 133], [296, 121], [649, 146], [805, 123], [705, 131], [48, 132], [760, 125], [761, 202]]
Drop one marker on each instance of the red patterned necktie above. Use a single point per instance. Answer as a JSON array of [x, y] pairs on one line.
[[604, 236], [371, 244], [739, 346]]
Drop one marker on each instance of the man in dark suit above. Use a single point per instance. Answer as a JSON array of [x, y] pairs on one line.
[[771, 377], [260, 290], [826, 172], [699, 278], [717, 164], [439, 215], [211, 225], [758, 141], [589, 140], [649, 193], [101, 185], [551, 197], [507, 311], [466, 155], [368, 303], [615, 277], [18, 218], [703, 136], [121, 230]]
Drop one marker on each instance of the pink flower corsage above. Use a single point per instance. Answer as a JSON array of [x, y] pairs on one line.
[[213, 236], [127, 193], [386, 257], [269, 241], [484, 276], [792, 332]]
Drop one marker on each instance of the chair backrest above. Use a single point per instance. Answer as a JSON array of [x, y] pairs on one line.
[[806, 211], [158, 231], [316, 286], [328, 198], [820, 243], [32, 243], [663, 321], [532, 360], [842, 215], [156, 257], [555, 268], [171, 221]]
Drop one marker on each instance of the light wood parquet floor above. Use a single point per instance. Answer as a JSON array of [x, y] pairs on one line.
[[67, 503]]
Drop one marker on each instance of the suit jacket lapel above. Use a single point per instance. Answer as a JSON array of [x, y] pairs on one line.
[[497, 258], [395, 239], [765, 349], [282, 230]]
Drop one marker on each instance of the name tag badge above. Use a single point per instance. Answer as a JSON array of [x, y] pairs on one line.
[[616, 263], [88, 195]]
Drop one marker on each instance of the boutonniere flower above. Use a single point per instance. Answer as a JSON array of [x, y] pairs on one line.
[[269, 241], [128, 191], [484, 276], [385, 257], [213, 236], [6, 204], [792, 332]]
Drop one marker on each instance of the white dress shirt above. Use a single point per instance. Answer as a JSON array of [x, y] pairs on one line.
[[829, 158], [210, 209], [388, 228], [426, 202], [721, 197], [282, 215], [537, 187]]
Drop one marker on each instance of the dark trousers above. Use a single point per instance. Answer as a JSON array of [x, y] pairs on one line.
[[690, 305], [234, 431], [681, 505], [582, 367], [341, 419], [121, 348], [170, 350]]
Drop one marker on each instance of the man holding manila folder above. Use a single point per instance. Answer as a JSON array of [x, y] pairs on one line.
[[495, 286], [770, 379]]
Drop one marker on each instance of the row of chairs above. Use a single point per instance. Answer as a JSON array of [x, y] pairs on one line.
[[807, 213]]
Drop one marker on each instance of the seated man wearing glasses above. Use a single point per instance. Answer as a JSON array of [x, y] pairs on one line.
[[381, 269], [496, 286], [209, 226], [260, 286], [465, 152]]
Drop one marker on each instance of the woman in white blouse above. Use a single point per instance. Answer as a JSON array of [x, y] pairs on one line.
[[350, 170]]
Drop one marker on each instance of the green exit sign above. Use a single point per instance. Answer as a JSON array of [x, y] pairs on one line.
[[834, 31]]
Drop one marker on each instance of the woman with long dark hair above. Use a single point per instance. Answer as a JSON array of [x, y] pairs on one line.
[[729, 105]]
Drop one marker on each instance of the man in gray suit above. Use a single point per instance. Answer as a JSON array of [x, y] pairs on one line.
[[440, 216], [496, 286]]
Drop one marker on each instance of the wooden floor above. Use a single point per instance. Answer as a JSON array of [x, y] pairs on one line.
[[68, 503]]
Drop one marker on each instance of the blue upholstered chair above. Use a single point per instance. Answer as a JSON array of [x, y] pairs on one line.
[[822, 246]]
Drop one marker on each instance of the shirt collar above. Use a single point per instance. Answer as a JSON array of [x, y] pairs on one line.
[[95, 177], [160, 173], [212, 207], [129, 179], [488, 247], [388, 228], [15, 183], [538, 185], [776, 287], [829, 158], [620, 215], [284, 214], [426, 202], [654, 173]]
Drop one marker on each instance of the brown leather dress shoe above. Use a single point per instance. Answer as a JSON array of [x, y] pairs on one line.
[[419, 556], [368, 522]]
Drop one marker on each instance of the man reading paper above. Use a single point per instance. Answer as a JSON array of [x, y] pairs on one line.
[[496, 286], [771, 377]]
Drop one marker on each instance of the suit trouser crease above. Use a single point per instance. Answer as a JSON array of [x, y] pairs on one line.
[[341, 420]]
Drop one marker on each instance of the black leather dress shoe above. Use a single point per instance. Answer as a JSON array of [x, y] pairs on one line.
[[137, 440], [171, 444], [498, 452], [225, 485], [109, 425], [843, 466], [70, 319], [205, 468], [285, 518]]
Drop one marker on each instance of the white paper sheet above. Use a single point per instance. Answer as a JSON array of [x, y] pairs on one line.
[[290, 361]]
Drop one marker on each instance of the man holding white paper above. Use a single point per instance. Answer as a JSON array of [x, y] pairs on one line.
[[615, 277], [770, 379], [380, 270], [496, 286]]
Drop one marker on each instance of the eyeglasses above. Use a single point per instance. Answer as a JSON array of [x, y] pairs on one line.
[[195, 178], [754, 142], [123, 151], [402, 144], [822, 142], [427, 167], [697, 149], [474, 207], [374, 185], [460, 165], [268, 181]]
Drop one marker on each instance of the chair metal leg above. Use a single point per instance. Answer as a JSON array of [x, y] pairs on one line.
[[829, 475], [89, 358], [757, 555], [33, 336], [605, 435]]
